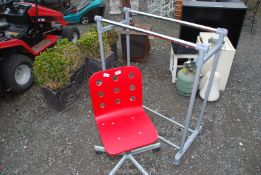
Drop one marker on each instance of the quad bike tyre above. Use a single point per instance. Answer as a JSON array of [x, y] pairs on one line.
[[72, 33], [85, 19], [16, 73], [89, 16]]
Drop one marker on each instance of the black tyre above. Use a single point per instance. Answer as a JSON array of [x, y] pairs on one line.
[[16, 73], [72, 33], [85, 19]]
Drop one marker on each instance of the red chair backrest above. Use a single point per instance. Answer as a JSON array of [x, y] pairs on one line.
[[116, 90]]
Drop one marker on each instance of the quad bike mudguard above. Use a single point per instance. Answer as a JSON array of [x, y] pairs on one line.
[[36, 50], [79, 13]]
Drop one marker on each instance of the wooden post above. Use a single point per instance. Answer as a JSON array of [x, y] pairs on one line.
[[178, 9]]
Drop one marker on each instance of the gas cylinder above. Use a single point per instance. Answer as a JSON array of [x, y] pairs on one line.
[[185, 78]]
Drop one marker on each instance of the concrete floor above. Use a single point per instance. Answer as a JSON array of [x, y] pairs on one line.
[[35, 140]]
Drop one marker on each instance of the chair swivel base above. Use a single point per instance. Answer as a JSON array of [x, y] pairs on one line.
[[129, 155]]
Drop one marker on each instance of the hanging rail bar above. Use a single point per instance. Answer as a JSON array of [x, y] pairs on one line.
[[165, 37], [110, 27], [198, 26]]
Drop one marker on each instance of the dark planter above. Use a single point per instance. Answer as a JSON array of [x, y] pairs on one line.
[[64, 97], [95, 65], [115, 49], [140, 46]]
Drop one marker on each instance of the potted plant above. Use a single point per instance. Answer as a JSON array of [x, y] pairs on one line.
[[61, 73], [111, 35], [112, 38], [89, 45]]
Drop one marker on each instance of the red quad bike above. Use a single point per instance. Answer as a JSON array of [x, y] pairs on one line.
[[29, 29]]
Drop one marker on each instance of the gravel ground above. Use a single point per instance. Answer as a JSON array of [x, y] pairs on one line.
[[37, 140]]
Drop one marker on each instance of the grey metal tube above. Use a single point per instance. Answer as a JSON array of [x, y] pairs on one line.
[[168, 142], [211, 53], [192, 98], [110, 27], [119, 164], [127, 18], [187, 144], [198, 26], [145, 148], [172, 39], [210, 81], [166, 118], [140, 168], [99, 29]]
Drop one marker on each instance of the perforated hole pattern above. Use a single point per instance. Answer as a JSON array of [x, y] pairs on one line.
[[117, 101], [101, 94], [115, 78], [132, 98], [116, 90], [102, 105], [99, 82], [131, 75], [132, 87]]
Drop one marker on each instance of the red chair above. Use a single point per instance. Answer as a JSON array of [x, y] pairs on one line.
[[124, 128]]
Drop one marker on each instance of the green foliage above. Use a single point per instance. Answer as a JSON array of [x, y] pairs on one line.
[[111, 35], [89, 44], [54, 67]]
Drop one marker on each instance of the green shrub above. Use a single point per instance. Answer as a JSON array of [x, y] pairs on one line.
[[111, 35], [89, 44], [54, 67]]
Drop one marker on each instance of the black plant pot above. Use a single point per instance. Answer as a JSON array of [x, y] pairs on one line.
[[64, 97], [114, 49], [95, 65]]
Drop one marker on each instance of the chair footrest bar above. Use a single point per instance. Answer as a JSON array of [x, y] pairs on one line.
[[168, 142], [166, 118], [145, 148]]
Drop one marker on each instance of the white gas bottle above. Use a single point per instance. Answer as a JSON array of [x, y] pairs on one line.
[[214, 92]]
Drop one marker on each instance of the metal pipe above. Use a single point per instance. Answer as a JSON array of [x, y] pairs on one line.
[[145, 148], [198, 26], [140, 168], [119, 164], [168, 142], [110, 27], [211, 53], [170, 120], [99, 30], [210, 81], [192, 98], [169, 38], [127, 18], [187, 144]]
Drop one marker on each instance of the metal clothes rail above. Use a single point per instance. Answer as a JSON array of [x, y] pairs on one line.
[[189, 134]]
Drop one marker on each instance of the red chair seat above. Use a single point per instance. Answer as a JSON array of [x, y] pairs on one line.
[[122, 123], [126, 131]]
